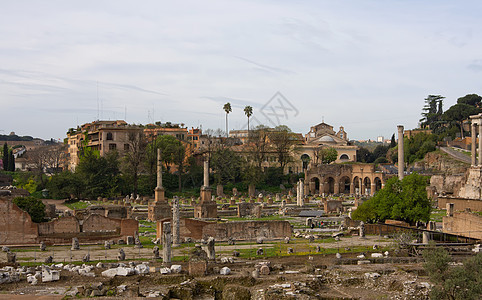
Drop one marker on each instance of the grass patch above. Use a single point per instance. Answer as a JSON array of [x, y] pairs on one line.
[[437, 215], [81, 204]]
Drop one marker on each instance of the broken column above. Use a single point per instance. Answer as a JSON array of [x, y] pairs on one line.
[[160, 209], [166, 243], [207, 208], [75, 244], [300, 193], [473, 144], [176, 235], [362, 230], [401, 161], [210, 248]]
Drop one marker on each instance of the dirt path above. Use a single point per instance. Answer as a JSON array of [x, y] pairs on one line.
[[59, 204]]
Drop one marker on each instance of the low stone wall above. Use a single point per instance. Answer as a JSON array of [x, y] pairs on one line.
[[460, 204], [248, 230], [241, 230], [463, 223]]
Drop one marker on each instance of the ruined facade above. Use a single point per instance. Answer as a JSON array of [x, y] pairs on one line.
[[361, 179]]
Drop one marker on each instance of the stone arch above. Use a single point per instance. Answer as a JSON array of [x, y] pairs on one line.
[[378, 184], [315, 185], [305, 158], [344, 157], [367, 184], [344, 185], [329, 185], [356, 185]]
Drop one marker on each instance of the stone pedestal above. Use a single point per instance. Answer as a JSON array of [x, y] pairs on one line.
[[206, 210], [205, 194], [158, 211]]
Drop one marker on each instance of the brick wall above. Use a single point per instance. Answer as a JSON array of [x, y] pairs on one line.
[[16, 226], [460, 204], [463, 223]]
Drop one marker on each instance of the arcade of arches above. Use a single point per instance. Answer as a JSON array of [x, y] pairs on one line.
[[359, 179]]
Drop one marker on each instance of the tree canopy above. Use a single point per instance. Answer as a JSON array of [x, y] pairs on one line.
[[34, 207], [404, 200]]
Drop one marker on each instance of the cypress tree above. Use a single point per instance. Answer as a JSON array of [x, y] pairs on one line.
[[11, 161], [5, 157], [392, 142]]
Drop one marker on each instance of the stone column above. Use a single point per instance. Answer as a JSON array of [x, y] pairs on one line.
[[159, 190], [352, 188], [337, 187], [473, 147], [175, 222], [300, 196], [166, 243], [206, 173], [401, 161], [480, 146], [372, 188]]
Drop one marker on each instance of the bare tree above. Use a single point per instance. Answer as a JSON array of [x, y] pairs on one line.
[[134, 155], [283, 141], [258, 145]]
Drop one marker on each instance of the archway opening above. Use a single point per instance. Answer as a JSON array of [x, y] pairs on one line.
[[367, 183], [378, 184], [356, 185], [305, 158], [330, 185], [345, 185]]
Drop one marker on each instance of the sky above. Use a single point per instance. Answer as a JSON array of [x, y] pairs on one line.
[[365, 65]]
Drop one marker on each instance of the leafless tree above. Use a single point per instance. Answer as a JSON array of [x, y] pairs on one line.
[[134, 155]]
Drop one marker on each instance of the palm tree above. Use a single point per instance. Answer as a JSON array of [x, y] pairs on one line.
[[227, 109], [248, 111]]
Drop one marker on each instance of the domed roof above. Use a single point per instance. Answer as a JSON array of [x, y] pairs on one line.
[[327, 139]]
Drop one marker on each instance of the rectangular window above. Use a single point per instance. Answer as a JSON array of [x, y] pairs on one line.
[[126, 147], [112, 146]]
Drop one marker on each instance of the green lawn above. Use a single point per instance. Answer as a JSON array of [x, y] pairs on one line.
[[437, 215]]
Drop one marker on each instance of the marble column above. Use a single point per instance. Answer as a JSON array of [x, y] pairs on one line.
[[175, 222], [159, 190], [401, 161], [473, 146], [480, 145], [206, 173], [166, 243]]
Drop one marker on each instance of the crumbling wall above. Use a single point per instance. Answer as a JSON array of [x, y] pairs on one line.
[[59, 226], [460, 204], [463, 223], [16, 226], [98, 223], [188, 228], [446, 184]]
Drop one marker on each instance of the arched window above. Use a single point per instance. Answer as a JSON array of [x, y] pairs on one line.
[[109, 136], [344, 156]]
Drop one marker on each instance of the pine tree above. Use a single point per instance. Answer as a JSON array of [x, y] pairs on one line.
[[5, 157], [393, 143], [11, 161]]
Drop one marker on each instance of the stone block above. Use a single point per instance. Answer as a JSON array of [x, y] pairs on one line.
[[198, 268], [225, 271]]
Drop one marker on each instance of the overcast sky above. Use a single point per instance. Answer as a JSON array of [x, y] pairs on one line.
[[364, 65]]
